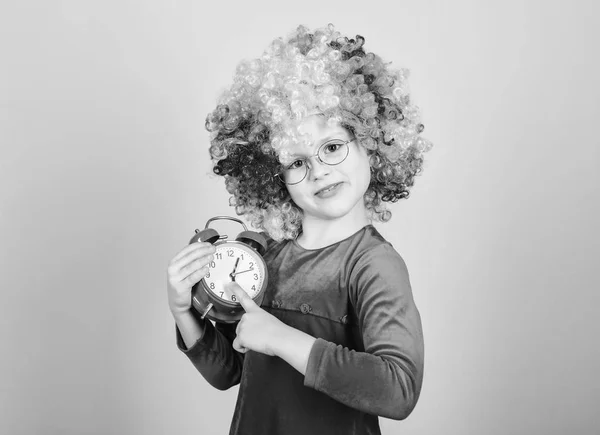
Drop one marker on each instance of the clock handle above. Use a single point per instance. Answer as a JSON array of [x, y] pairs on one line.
[[226, 218]]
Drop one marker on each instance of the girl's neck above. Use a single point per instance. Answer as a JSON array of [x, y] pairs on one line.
[[318, 233]]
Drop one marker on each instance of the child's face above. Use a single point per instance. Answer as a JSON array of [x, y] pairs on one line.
[[330, 191]]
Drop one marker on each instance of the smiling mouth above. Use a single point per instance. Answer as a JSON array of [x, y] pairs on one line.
[[327, 188]]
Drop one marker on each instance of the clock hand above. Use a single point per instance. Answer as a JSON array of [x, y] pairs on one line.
[[243, 271], [232, 274]]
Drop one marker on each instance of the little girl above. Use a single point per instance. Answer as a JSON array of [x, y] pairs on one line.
[[312, 139]]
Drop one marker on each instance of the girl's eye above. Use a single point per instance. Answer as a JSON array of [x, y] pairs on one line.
[[332, 147], [297, 164]]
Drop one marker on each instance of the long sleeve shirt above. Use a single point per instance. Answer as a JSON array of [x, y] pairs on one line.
[[355, 297]]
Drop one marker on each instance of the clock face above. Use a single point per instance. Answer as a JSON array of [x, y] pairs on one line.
[[237, 262]]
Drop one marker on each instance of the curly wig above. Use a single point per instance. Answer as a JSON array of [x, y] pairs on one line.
[[321, 72]]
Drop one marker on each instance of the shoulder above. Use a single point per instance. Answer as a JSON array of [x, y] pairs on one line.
[[274, 247], [376, 252], [271, 242], [377, 265]]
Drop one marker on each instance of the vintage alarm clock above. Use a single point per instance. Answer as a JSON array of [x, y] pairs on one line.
[[238, 260]]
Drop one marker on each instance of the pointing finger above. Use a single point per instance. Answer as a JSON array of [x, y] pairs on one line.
[[245, 301]]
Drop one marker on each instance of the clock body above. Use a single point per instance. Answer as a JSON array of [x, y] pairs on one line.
[[232, 261]]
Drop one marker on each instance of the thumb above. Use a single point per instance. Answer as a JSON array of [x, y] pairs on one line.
[[245, 301]]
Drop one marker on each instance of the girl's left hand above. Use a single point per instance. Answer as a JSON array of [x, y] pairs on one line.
[[257, 330]]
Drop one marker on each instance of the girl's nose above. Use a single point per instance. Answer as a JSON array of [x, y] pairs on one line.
[[317, 169]]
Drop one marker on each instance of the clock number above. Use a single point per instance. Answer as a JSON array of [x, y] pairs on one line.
[[219, 256], [222, 294], [212, 285], [233, 298], [207, 275], [253, 287], [242, 256], [251, 264], [212, 264], [230, 252], [255, 277]]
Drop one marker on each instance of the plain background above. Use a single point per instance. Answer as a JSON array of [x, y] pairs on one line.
[[105, 175]]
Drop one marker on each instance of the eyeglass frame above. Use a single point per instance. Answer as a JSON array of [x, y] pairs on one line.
[[280, 176]]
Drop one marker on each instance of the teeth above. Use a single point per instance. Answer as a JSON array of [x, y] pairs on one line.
[[328, 189]]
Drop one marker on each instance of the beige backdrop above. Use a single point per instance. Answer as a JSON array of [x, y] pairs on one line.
[[105, 176]]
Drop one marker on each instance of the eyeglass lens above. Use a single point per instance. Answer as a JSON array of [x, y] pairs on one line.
[[330, 153]]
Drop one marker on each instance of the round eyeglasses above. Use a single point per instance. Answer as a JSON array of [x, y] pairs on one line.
[[333, 152]]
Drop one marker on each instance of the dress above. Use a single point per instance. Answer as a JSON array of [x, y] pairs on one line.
[[355, 297]]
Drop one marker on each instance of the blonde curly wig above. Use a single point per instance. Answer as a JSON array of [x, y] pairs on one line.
[[321, 72]]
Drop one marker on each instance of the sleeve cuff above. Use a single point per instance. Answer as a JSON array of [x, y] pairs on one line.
[[314, 363], [199, 345]]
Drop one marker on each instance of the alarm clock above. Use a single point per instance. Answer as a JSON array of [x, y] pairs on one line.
[[239, 261]]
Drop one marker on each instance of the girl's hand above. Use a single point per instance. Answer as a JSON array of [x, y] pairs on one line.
[[184, 271], [257, 330]]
